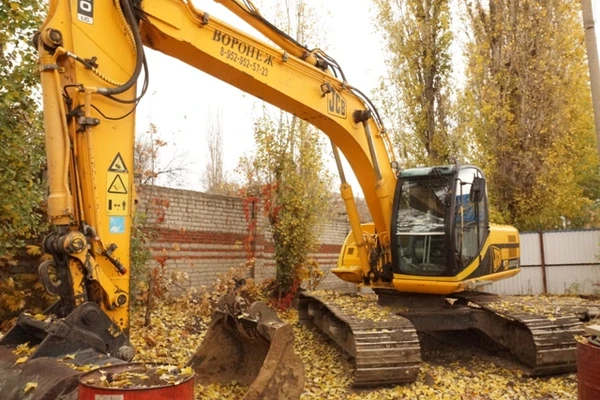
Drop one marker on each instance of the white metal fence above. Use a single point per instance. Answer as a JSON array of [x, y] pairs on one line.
[[556, 263]]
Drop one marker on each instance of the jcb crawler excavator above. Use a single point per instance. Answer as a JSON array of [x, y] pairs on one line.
[[430, 238]]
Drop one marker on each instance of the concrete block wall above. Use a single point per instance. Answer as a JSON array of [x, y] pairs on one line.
[[203, 235]]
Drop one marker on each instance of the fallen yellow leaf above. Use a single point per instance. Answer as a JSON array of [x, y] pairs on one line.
[[33, 250], [29, 386], [23, 349], [21, 360], [39, 317]]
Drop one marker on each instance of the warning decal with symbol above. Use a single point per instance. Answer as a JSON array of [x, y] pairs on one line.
[[118, 165], [117, 185], [117, 188]]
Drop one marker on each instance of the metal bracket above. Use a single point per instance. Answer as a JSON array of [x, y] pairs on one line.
[[87, 121], [48, 67], [205, 19]]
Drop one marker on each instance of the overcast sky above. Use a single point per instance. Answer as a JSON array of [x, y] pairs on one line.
[[181, 100]]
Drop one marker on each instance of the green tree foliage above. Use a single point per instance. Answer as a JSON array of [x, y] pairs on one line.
[[415, 93], [289, 169], [21, 156], [295, 192], [21, 152], [527, 105]]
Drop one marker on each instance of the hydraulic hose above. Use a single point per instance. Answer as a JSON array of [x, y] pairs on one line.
[[131, 20]]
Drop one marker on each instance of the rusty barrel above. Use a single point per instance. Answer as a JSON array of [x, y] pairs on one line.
[[137, 381], [588, 370]]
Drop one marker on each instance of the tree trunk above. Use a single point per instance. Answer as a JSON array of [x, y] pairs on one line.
[[592, 53]]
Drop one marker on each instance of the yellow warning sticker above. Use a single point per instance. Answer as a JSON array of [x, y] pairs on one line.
[[117, 185], [118, 164], [117, 193]]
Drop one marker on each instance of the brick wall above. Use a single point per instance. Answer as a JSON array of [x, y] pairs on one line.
[[204, 235]]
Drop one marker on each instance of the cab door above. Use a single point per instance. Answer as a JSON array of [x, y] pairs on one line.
[[470, 215]]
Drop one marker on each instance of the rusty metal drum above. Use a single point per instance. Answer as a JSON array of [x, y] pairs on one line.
[[588, 370], [137, 381]]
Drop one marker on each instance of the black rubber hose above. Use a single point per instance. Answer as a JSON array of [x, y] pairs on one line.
[[130, 17]]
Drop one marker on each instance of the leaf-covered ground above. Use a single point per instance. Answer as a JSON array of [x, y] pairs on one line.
[[455, 366]]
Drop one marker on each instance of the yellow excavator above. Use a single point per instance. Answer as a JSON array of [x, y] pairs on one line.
[[430, 239]]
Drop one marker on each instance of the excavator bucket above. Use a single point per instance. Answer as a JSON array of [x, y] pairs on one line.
[[254, 348], [46, 378], [42, 358]]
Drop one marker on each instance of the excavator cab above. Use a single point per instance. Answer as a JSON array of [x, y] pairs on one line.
[[440, 241], [443, 250], [440, 220]]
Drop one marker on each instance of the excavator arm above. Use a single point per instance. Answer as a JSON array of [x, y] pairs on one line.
[[286, 78]]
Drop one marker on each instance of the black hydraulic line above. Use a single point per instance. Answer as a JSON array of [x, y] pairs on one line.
[[324, 57], [332, 62], [322, 61], [253, 12], [144, 86], [115, 118], [131, 20], [370, 104]]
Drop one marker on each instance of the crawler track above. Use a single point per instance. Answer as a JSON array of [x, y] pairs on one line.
[[384, 351], [543, 339], [383, 342]]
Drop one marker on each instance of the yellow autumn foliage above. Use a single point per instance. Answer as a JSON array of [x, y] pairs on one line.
[[526, 105]]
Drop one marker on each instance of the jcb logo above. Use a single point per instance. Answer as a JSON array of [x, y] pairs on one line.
[[336, 105], [85, 11]]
